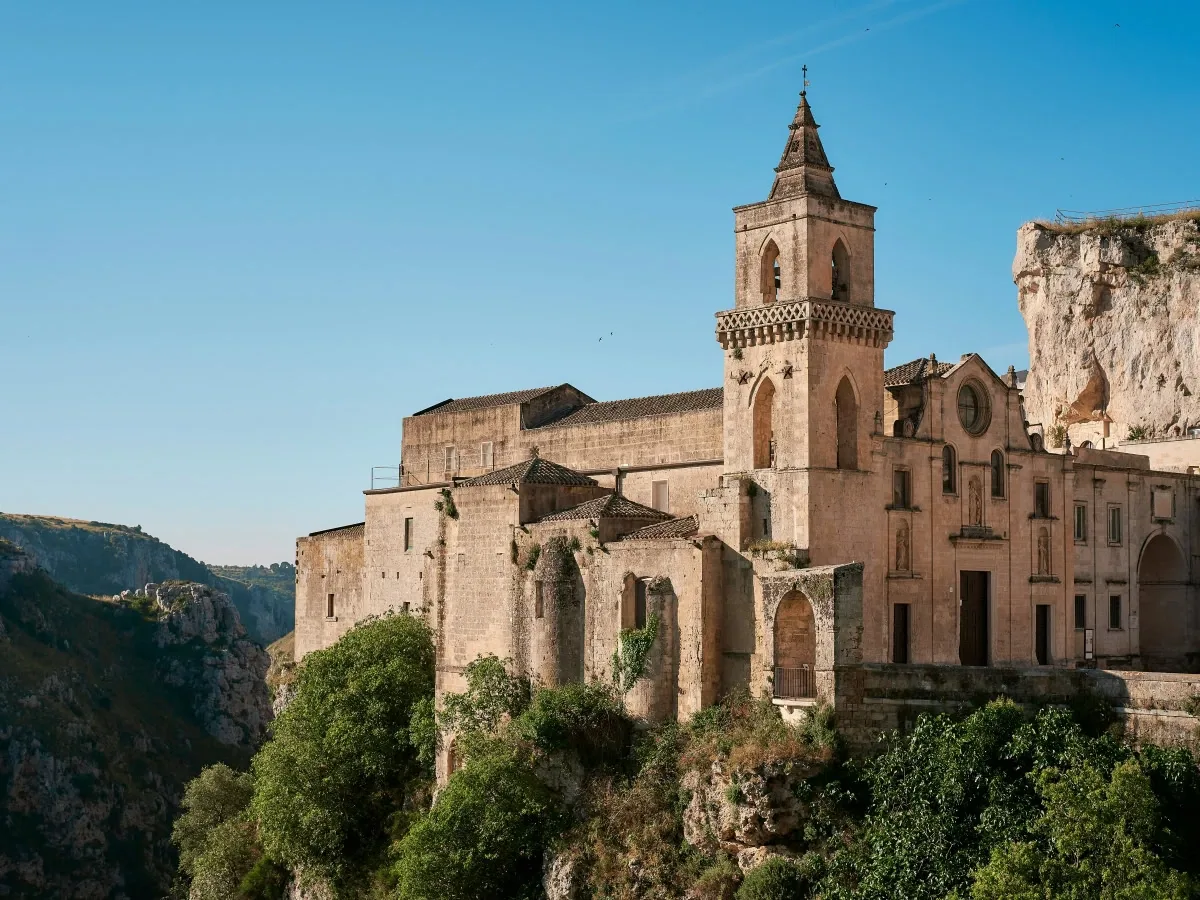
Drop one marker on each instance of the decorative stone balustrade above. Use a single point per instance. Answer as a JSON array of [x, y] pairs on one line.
[[829, 319]]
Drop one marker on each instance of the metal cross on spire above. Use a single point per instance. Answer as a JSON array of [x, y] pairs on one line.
[[804, 88]]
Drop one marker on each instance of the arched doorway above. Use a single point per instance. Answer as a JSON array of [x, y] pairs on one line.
[[764, 425], [847, 425], [795, 647], [1162, 593]]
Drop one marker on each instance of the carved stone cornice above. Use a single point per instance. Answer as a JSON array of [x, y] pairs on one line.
[[824, 319]]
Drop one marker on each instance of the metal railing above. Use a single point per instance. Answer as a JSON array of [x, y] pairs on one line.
[[1079, 217], [794, 683]]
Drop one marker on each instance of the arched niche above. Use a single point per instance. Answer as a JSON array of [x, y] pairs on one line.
[[847, 425], [1163, 600], [764, 425]]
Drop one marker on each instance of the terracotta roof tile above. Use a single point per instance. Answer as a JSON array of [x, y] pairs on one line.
[[642, 407], [912, 372], [662, 531], [611, 506], [466, 404], [534, 470]]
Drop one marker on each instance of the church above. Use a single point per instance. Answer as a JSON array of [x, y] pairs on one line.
[[814, 513]]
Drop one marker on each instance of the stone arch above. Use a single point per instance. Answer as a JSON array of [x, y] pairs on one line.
[[1163, 600], [795, 646], [763, 416], [846, 414], [840, 272], [770, 274]]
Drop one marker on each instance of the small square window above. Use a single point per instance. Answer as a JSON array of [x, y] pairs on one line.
[[1114, 612], [329, 606], [1081, 521], [408, 533], [1080, 611]]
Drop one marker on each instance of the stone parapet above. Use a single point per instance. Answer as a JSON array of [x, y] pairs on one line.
[[828, 319]]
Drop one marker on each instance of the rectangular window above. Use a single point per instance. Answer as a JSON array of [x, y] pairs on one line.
[[1162, 503], [639, 604], [901, 488], [405, 605], [329, 607], [408, 533], [1080, 611], [660, 499], [1041, 499], [1114, 612], [1041, 643], [1114, 524], [900, 617], [539, 609], [486, 456], [1081, 523]]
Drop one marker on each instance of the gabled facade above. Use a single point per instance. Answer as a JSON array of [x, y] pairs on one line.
[[815, 513]]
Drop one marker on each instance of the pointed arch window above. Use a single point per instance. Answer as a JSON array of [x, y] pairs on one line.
[[771, 277], [949, 470], [997, 473], [840, 276], [764, 427], [847, 425]]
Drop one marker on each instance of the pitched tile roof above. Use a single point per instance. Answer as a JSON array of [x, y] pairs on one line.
[[466, 404], [358, 525], [534, 470], [912, 372], [662, 531], [610, 506], [642, 407]]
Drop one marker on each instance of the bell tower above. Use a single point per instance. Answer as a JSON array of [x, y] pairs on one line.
[[804, 342]]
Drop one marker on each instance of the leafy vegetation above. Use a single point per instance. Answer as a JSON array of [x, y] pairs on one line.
[[632, 653], [1137, 433]]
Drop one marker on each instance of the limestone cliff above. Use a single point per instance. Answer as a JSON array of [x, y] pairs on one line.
[[107, 709], [103, 558], [1114, 329]]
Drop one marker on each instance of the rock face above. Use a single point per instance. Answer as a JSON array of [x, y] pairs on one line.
[[227, 676], [752, 814], [102, 558], [1114, 329], [106, 711]]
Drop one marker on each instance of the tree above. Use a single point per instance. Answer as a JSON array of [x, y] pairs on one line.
[[1092, 842], [486, 835], [341, 759]]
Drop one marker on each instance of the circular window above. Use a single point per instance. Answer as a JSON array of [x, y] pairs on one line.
[[972, 408]]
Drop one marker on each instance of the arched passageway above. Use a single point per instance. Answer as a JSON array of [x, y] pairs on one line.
[[764, 425], [795, 642], [1165, 620]]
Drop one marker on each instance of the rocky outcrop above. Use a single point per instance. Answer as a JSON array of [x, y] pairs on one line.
[[223, 671], [751, 814], [102, 558], [1113, 313]]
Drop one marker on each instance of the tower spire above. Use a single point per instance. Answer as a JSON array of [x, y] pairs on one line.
[[803, 168]]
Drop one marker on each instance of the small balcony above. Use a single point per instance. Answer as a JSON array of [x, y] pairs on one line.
[[794, 684]]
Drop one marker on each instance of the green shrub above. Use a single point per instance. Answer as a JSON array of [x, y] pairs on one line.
[[584, 718], [492, 695], [775, 879], [342, 758], [486, 835]]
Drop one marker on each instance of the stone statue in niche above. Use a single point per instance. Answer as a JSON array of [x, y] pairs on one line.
[[1043, 551], [902, 552], [975, 503]]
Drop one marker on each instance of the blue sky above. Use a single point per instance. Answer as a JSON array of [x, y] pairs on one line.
[[238, 242]]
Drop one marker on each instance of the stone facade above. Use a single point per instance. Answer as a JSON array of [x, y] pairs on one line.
[[815, 521]]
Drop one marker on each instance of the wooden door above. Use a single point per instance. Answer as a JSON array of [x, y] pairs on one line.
[[973, 619]]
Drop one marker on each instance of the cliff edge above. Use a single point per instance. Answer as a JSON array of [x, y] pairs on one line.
[[1111, 309]]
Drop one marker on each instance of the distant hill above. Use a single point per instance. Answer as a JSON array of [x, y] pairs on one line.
[[107, 709], [99, 558]]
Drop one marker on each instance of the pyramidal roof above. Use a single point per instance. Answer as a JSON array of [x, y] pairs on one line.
[[804, 168], [610, 506], [534, 470]]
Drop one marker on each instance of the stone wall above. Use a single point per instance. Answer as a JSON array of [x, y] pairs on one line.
[[879, 698], [329, 562]]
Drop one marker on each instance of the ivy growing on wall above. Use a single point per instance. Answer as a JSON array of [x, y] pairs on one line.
[[534, 553], [446, 504], [632, 653]]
